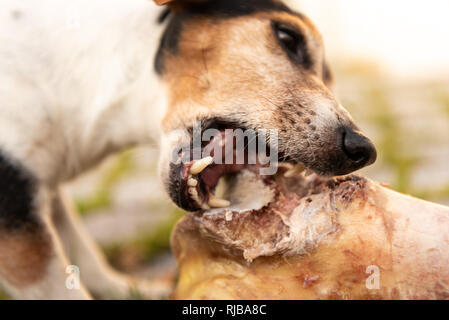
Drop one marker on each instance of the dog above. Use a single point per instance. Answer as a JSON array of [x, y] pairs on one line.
[[82, 79]]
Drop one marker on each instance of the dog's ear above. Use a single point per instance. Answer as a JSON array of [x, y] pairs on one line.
[[328, 77], [162, 2]]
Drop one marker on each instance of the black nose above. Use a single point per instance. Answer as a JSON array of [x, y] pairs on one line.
[[358, 149]]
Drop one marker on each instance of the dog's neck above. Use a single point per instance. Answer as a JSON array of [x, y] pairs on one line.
[[93, 89], [128, 103]]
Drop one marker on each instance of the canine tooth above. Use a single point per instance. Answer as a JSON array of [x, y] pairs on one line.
[[193, 192], [228, 216], [192, 182], [217, 202], [200, 165]]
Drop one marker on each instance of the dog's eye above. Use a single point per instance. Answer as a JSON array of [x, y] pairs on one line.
[[292, 42]]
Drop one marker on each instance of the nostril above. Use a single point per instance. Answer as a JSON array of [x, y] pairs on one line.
[[357, 157], [358, 148]]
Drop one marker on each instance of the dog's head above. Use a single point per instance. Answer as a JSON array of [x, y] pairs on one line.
[[252, 64]]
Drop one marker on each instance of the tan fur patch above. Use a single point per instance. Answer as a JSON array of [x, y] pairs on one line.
[[24, 256], [238, 69], [235, 66]]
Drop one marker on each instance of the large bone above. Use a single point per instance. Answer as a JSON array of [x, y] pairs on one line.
[[347, 238]]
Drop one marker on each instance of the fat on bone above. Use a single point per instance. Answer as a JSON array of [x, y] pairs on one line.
[[308, 172], [296, 170]]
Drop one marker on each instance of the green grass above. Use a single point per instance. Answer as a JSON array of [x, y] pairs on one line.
[[120, 169], [433, 194], [148, 245], [389, 144], [159, 240], [442, 97], [101, 198]]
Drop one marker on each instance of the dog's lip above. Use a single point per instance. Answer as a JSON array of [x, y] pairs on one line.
[[222, 123]]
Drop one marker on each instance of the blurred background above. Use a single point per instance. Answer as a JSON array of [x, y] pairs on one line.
[[390, 61], [391, 66]]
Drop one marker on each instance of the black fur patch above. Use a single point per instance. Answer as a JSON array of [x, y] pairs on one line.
[[233, 8], [170, 39], [17, 188], [217, 9]]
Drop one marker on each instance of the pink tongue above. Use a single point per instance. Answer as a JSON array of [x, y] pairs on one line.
[[212, 174]]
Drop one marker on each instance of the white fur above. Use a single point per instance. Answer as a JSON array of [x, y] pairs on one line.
[[77, 81]]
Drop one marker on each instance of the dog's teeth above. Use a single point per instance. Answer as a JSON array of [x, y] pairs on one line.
[[219, 203], [215, 202], [192, 182], [200, 165], [195, 197], [193, 192]]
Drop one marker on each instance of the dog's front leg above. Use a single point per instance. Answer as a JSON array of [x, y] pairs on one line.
[[32, 262], [96, 274]]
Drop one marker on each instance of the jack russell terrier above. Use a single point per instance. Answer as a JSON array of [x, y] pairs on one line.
[[82, 79]]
